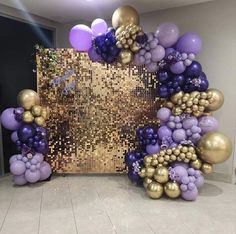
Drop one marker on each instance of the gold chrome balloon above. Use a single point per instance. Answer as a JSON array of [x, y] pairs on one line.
[[39, 121], [146, 182], [28, 117], [126, 56], [124, 15], [27, 98], [196, 164], [214, 147], [217, 99], [161, 174], [150, 171], [36, 110], [172, 189], [207, 168], [142, 172], [154, 190]]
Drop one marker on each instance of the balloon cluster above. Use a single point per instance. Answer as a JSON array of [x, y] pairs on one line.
[[30, 138]]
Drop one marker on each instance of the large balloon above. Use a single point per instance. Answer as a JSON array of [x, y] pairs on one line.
[[167, 34], [81, 37], [8, 119], [214, 147], [124, 15], [17, 167], [25, 132], [98, 26], [45, 171], [32, 176], [218, 99], [19, 180], [208, 124], [28, 98], [189, 43]]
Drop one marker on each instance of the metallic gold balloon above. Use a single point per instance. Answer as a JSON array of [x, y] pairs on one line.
[[142, 172], [214, 147], [174, 98], [39, 121], [207, 168], [28, 117], [161, 174], [218, 99], [27, 98], [196, 164], [150, 171], [124, 15], [172, 189], [146, 182], [154, 190], [126, 56], [36, 110]]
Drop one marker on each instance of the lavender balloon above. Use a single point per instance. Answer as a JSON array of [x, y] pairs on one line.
[[157, 54], [17, 167], [45, 171], [12, 159], [99, 26], [178, 68], [190, 122], [164, 132], [38, 158], [93, 55], [181, 164], [179, 135], [19, 180], [208, 124], [163, 114], [199, 182], [179, 173], [32, 176], [8, 119], [14, 136], [190, 195], [153, 149]]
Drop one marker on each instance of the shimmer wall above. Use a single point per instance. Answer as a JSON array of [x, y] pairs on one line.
[[95, 110]]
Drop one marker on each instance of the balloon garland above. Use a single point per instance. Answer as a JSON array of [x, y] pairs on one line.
[[172, 157], [30, 137]]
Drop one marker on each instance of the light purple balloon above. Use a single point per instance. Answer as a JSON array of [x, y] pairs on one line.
[[208, 124], [153, 149], [199, 182], [168, 51], [8, 119], [81, 37], [164, 114], [179, 135], [14, 136], [173, 145], [12, 159], [152, 67], [38, 157], [178, 67], [99, 26], [188, 123], [180, 172], [190, 195], [164, 132], [17, 168], [189, 43], [93, 55], [184, 165], [167, 34], [157, 53], [32, 176], [137, 60], [45, 171], [19, 180]]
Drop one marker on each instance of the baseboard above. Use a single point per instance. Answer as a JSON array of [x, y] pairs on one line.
[[216, 176]]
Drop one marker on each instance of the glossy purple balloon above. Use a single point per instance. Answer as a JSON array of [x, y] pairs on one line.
[[190, 195], [152, 149], [14, 136], [81, 37], [199, 182], [167, 34], [42, 147], [25, 132], [8, 119], [134, 176], [163, 114], [194, 70], [179, 135], [93, 55], [189, 43], [164, 132], [208, 124], [130, 158], [19, 180], [99, 26], [45, 170], [178, 68], [17, 167], [32, 176]]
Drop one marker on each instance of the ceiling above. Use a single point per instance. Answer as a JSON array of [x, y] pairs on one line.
[[64, 11]]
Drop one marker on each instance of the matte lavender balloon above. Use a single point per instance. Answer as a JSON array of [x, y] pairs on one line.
[[152, 67], [38, 157], [189, 43], [190, 195], [8, 119], [153, 149], [93, 55], [164, 114], [184, 165], [208, 124], [14, 136], [180, 172], [179, 135], [178, 68], [17, 168], [137, 60], [190, 122], [167, 34], [199, 182], [157, 53], [164, 132], [168, 51], [32, 176], [99, 26], [45, 170], [81, 37], [19, 180], [12, 159]]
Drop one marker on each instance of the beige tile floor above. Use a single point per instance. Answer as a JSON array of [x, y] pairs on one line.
[[110, 204]]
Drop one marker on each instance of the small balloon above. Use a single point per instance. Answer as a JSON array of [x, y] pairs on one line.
[[28, 117], [93, 55], [190, 195], [17, 167], [208, 124], [154, 190], [153, 149], [14, 136], [36, 110], [172, 189], [218, 99], [161, 174], [99, 26], [8, 120], [126, 56], [19, 180], [32, 176], [178, 67], [45, 170]]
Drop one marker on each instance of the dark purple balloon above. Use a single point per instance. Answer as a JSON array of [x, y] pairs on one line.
[[42, 131], [194, 70], [42, 147], [179, 79], [134, 176], [203, 85], [163, 91], [130, 158], [25, 132], [163, 76]]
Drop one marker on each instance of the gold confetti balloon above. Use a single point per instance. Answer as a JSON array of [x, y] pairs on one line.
[[172, 189], [126, 56], [217, 99], [27, 98], [161, 174], [207, 168], [28, 117], [124, 15], [154, 190], [214, 147]]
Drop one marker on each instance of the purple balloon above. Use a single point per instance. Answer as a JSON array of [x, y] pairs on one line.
[[179, 135], [45, 170], [164, 132], [194, 70], [158, 53], [17, 168], [178, 68], [32, 176], [8, 119], [25, 132], [138, 61], [188, 123], [81, 37], [168, 51], [208, 124], [99, 26], [190, 195], [19, 180], [167, 34], [93, 55], [180, 172], [12, 159], [38, 157], [151, 67], [189, 43], [134, 176], [130, 158], [42, 147], [164, 114], [153, 149], [184, 165], [199, 182], [14, 136]]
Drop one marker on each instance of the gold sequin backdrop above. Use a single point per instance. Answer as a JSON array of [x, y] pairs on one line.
[[95, 109]]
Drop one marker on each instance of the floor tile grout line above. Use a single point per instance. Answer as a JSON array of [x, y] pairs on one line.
[[40, 209], [72, 206]]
